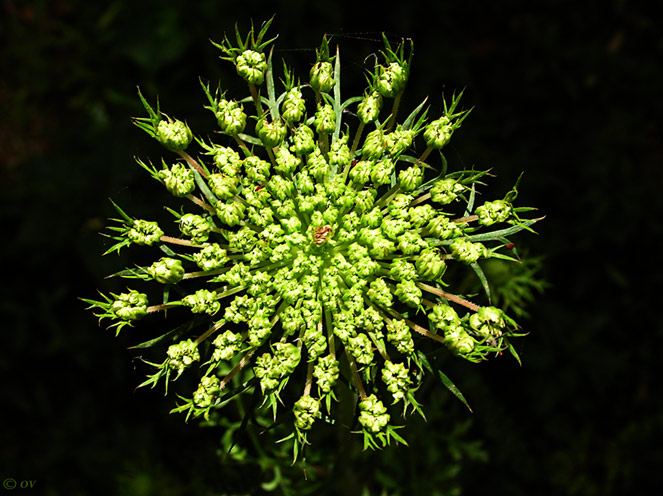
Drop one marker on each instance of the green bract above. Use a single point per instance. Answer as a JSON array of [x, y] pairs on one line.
[[316, 247]]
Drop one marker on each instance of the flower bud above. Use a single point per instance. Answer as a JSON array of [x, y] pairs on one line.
[[373, 414], [361, 348], [303, 140], [306, 409], [466, 251], [288, 356], [379, 293], [364, 200], [237, 275], [442, 228], [399, 140], [130, 306], [179, 180], [398, 334], [144, 232], [293, 107], [402, 270], [224, 187], [398, 206], [174, 135], [325, 119], [339, 153], [396, 378], [227, 345], [443, 316], [445, 191], [230, 117], [182, 355], [360, 173], [374, 145], [318, 166], [280, 187], [286, 162], [206, 394], [369, 108], [326, 373], [438, 133], [166, 270], [382, 171], [420, 215], [251, 66], [271, 134], [322, 77], [315, 341], [227, 160], [457, 340], [429, 265], [211, 257], [372, 218], [392, 80], [257, 169], [411, 243], [408, 292], [488, 321], [411, 178], [196, 227], [493, 212], [201, 301], [242, 240], [393, 228]]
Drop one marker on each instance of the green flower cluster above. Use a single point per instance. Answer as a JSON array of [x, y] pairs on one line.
[[323, 238]]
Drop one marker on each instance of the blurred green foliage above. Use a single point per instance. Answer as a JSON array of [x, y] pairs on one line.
[[569, 96]]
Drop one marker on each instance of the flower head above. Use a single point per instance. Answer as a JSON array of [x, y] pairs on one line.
[[316, 246]]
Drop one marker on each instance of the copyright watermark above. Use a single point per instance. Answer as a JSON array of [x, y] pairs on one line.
[[10, 483]]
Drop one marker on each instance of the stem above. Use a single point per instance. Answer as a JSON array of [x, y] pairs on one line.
[[210, 331], [416, 327], [309, 379], [448, 296], [200, 203], [330, 338], [394, 111], [270, 153], [192, 162], [236, 369], [355, 376], [177, 241], [421, 199], [202, 273], [241, 144], [256, 98], [425, 154], [355, 142], [469, 218], [163, 306]]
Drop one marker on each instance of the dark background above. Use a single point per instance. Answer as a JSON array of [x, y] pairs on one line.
[[567, 91]]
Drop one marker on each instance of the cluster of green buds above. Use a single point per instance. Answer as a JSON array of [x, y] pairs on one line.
[[313, 256]]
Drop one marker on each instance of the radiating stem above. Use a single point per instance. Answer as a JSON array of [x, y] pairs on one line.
[[424, 155], [469, 218], [178, 241], [245, 359], [309, 379], [448, 296], [355, 376], [200, 203], [193, 163], [210, 331], [394, 112], [355, 142]]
